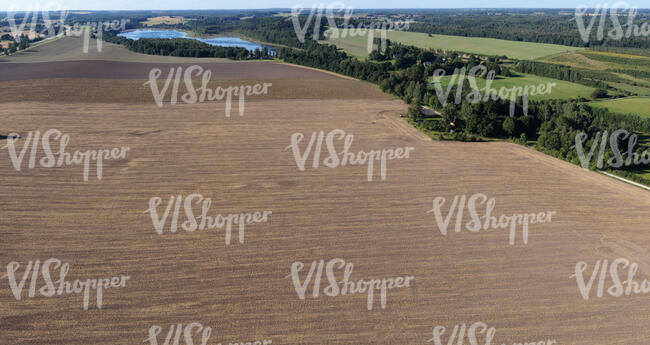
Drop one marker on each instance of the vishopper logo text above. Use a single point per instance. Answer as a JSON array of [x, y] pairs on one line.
[[204, 92], [618, 31], [50, 26], [487, 221], [85, 29], [343, 157], [345, 285], [473, 333], [347, 30], [618, 288], [183, 335], [618, 160], [475, 96], [35, 12], [50, 288], [60, 158], [202, 222]]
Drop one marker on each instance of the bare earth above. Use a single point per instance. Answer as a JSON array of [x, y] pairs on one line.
[[99, 69], [70, 48], [525, 291]]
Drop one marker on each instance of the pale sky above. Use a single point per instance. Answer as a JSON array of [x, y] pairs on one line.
[[260, 4]]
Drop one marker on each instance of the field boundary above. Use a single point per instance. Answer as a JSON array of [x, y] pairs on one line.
[[319, 70], [625, 180], [575, 170], [39, 43]]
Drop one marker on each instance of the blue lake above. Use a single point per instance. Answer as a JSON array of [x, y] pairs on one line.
[[216, 41]]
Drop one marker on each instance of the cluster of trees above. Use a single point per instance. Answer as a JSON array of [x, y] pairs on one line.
[[554, 124], [405, 56], [209, 25], [329, 58], [11, 48], [581, 76], [557, 136], [282, 32], [15, 45]]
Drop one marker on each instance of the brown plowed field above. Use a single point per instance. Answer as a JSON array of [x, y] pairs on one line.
[[134, 91], [71, 48], [525, 291], [99, 69]]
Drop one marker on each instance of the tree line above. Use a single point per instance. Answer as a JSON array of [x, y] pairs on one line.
[[21, 43], [549, 27]]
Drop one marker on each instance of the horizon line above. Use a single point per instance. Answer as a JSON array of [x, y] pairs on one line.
[[361, 9]]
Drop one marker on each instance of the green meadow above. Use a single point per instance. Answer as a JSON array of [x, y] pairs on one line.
[[358, 45], [561, 90], [630, 105], [625, 73]]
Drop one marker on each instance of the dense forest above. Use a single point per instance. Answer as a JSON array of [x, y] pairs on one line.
[[540, 28]]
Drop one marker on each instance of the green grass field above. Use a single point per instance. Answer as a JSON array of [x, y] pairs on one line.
[[562, 89], [631, 105], [631, 68], [638, 90], [358, 45], [600, 61]]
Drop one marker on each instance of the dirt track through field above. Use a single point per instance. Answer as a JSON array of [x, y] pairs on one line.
[[525, 291]]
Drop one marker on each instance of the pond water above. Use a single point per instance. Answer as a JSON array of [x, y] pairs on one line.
[[215, 41]]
